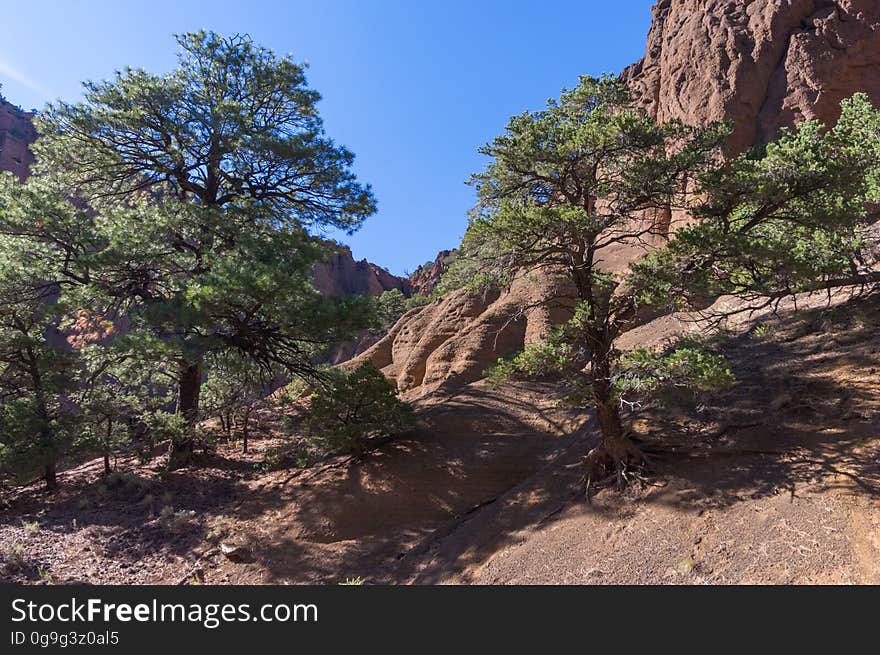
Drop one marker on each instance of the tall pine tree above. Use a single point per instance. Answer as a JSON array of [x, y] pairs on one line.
[[195, 195]]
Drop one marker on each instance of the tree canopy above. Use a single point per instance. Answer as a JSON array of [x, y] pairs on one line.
[[789, 218]]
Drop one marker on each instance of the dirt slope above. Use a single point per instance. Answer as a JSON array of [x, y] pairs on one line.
[[489, 489], [788, 493]]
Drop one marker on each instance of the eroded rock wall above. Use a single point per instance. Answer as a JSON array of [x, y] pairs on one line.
[[16, 134], [764, 64], [453, 340], [341, 275]]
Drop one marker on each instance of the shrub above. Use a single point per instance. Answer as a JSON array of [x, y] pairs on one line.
[[392, 304], [16, 559], [176, 522], [354, 407], [761, 331], [160, 426], [418, 300], [293, 391], [352, 582], [30, 527], [125, 486], [298, 453]]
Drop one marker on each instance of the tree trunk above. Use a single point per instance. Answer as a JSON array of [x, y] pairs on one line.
[[181, 451], [616, 450], [244, 432], [608, 416], [107, 446], [45, 433], [607, 412], [50, 476]]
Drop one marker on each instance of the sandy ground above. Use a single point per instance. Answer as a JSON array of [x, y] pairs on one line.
[[784, 489]]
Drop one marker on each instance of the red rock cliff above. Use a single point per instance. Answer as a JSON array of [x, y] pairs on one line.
[[341, 275], [763, 64], [16, 134], [427, 277]]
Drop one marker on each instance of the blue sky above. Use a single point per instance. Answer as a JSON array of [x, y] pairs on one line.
[[413, 88]]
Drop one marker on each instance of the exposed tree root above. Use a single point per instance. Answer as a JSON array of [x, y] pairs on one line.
[[617, 458]]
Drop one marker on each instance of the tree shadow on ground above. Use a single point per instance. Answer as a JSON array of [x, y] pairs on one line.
[[805, 411], [482, 471], [369, 514], [485, 469], [134, 514]]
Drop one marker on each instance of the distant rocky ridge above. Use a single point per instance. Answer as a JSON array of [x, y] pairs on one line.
[[427, 277], [341, 275], [762, 64]]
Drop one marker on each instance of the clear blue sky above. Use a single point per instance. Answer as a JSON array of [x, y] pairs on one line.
[[413, 88]]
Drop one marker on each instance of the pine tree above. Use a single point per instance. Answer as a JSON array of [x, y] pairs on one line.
[[195, 194], [37, 422], [587, 178]]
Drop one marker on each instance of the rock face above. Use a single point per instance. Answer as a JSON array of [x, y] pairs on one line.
[[341, 275], [16, 134], [451, 342], [764, 64]]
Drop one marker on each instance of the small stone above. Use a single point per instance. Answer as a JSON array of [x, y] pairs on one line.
[[780, 401], [235, 553]]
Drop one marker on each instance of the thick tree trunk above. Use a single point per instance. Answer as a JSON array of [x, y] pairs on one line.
[[107, 446], [617, 450], [607, 413], [245, 425], [50, 476], [181, 451]]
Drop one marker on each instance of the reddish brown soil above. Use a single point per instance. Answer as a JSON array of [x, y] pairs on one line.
[[784, 489], [794, 498]]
